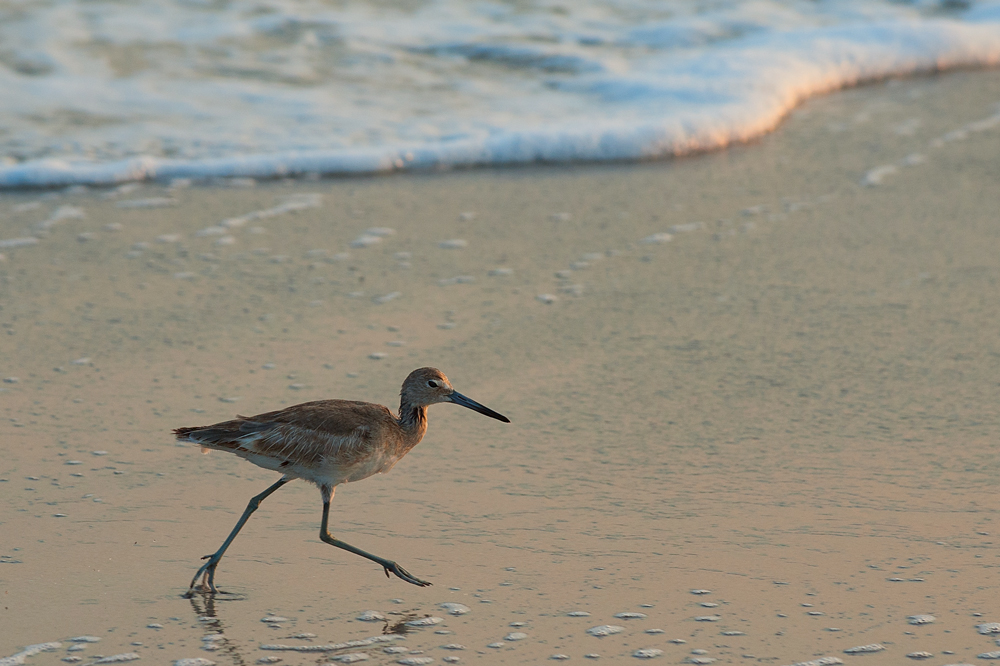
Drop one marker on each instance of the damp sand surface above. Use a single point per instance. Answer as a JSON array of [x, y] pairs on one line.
[[753, 403]]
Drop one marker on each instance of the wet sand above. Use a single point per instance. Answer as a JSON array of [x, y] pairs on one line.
[[791, 404]]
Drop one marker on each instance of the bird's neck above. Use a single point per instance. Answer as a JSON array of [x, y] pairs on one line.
[[413, 419]]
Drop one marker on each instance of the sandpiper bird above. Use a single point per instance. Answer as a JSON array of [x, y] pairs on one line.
[[328, 442]]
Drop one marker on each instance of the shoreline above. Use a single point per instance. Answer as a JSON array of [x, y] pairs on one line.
[[675, 138]]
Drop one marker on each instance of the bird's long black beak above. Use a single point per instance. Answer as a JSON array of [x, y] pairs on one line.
[[460, 399]]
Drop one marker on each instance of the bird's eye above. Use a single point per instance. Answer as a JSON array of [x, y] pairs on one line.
[[432, 383]]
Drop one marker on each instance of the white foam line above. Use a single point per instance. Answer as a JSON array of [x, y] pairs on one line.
[[756, 83]]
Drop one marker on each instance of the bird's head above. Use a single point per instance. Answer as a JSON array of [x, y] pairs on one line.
[[429, 386]]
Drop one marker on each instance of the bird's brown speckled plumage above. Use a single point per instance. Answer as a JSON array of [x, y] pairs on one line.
[[329, 442]]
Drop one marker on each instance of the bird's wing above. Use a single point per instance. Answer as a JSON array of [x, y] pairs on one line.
[[310, 434]]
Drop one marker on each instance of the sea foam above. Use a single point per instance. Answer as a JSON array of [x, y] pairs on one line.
[[308, 89]]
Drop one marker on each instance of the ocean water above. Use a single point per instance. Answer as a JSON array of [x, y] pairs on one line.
[[105, 92]]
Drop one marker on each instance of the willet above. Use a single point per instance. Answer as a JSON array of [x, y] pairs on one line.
[[328, 442]]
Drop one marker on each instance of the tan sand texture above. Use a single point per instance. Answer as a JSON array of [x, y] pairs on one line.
[[770, 373]]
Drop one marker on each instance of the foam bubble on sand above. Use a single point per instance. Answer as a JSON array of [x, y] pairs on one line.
[[875, 176], [350, 658], [118, 658], [194, 661], [989, 655], [650, 653], [865, 649], [453, 608], [18, 242], [659, 237], [921, 619], [60, 214], [370, 616], [29, 651], [362, 642], [605, 630], [151, 202], [453, 244], [365, 240], [822, 661]]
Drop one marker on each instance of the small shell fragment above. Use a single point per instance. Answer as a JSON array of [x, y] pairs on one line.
[[920, 655], [630, 616], [515, 636], [988, 628], [425, 622]]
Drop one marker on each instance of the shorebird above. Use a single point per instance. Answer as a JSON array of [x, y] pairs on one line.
[[328, 442]]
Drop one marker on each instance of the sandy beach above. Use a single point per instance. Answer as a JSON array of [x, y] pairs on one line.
[[753, 397]]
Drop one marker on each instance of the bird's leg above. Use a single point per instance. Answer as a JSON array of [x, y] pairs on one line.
[[207, 571], [387, 565]]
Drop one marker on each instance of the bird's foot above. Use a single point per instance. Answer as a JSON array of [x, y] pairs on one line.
[[404, 574], [207, 575]]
